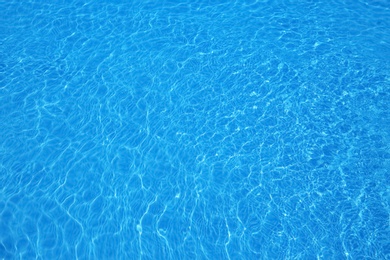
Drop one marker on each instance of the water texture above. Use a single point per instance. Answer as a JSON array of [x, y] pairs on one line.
[[195, 129]]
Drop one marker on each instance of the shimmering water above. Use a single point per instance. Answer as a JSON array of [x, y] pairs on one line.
[[195, 129]]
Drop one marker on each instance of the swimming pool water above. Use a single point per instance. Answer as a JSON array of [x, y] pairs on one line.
[[195, 129]]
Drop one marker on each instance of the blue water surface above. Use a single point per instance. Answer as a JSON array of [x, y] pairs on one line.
[[195, 129]]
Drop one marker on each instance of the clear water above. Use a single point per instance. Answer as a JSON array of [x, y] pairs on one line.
[[195, 129]]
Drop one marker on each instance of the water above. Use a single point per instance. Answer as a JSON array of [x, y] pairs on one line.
[[195, 130]]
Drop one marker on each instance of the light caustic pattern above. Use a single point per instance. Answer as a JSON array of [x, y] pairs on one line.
[[165, 130]]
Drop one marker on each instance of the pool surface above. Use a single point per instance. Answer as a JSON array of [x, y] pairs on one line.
[[195, 129]]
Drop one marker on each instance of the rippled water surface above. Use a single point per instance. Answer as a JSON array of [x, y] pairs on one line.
[[195, 129]]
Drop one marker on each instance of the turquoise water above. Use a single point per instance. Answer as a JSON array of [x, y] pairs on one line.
[[195, 129]]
